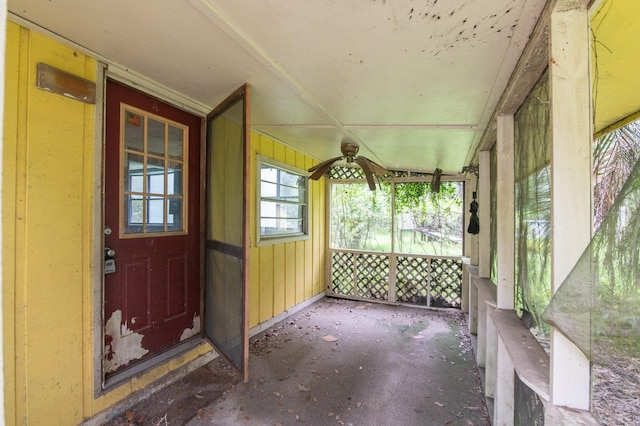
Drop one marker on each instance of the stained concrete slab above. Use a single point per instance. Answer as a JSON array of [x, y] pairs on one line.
[[388, 365]]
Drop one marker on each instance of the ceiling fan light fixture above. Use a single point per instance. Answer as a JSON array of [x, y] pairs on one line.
[[349, 153]]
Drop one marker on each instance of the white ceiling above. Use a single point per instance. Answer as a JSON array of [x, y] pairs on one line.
[[413, 82]]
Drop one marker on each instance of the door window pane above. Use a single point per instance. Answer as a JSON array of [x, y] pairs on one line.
[[174, 216], [176, 137], [134, 172], [155, 175], [134, 131], [174, 178], [155, 137], [154, 152]]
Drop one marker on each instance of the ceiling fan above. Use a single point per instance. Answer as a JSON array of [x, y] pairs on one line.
[[349, 152]]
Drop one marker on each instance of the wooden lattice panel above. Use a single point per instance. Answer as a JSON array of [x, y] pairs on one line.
[[372, 274], [446, 282], [342, 277], [412, 280], [342, 172], [420, 280]]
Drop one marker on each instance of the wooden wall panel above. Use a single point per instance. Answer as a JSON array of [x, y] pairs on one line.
[[285, 274]]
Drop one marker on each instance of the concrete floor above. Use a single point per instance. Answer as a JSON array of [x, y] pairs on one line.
[[337, 362]]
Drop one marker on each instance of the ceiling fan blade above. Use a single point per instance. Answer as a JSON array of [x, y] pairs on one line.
[[377, 168], [329, 161], [322, 168], [366, 168]]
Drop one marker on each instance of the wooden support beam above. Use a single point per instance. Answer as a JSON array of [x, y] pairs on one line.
[[506, 213], [571, 183], [484, 215]]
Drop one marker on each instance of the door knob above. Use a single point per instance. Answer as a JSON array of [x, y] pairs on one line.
[[109, 252]]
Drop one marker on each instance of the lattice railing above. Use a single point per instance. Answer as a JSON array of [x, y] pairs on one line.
[[422, 280], [372, 276]]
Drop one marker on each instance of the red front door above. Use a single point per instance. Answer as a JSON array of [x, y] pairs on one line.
[[152, 227]]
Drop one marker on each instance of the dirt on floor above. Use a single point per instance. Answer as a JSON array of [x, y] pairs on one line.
[[184, 399], [337, 362]]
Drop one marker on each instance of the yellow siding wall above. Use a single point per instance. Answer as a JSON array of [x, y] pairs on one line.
[[48, 198], [47, 195], [616, 63], [285, 274]]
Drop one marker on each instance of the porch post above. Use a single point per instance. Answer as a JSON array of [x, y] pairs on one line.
[[505, 213], [484, 200], [503, 366], [571, 190]]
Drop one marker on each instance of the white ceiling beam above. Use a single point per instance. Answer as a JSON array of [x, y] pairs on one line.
[[470, 127]]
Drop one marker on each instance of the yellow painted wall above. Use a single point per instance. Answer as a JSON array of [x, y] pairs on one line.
[[616, 63], [48, 198], [285, 274]]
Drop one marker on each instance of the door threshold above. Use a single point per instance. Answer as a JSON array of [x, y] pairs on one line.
[[118, 378]]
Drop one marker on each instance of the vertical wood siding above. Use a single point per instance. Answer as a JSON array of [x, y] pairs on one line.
[[285, 274]]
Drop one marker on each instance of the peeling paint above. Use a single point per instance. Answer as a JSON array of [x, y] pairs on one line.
[[121, 344], [193, 331]]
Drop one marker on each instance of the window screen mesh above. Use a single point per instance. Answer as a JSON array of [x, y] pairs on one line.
[[598, 305], [533, 202]]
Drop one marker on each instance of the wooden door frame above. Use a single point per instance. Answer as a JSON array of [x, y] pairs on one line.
[[95, 326]]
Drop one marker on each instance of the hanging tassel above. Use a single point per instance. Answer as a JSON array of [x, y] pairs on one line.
[[474, 223]]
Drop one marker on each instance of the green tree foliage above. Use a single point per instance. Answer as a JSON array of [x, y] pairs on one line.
[[435, 214], [361, 219]]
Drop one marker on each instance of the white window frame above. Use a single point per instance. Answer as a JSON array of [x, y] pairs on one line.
[[285, 237]]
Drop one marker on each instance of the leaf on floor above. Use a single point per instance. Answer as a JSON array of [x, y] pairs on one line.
[[439, 404], [204, 413], [303, 388], [197, 395], [329, 338]]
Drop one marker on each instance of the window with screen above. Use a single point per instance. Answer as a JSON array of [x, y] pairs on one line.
[[283, 195]]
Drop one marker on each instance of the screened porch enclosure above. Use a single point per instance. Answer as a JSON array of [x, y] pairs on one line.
[[401, 243]]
